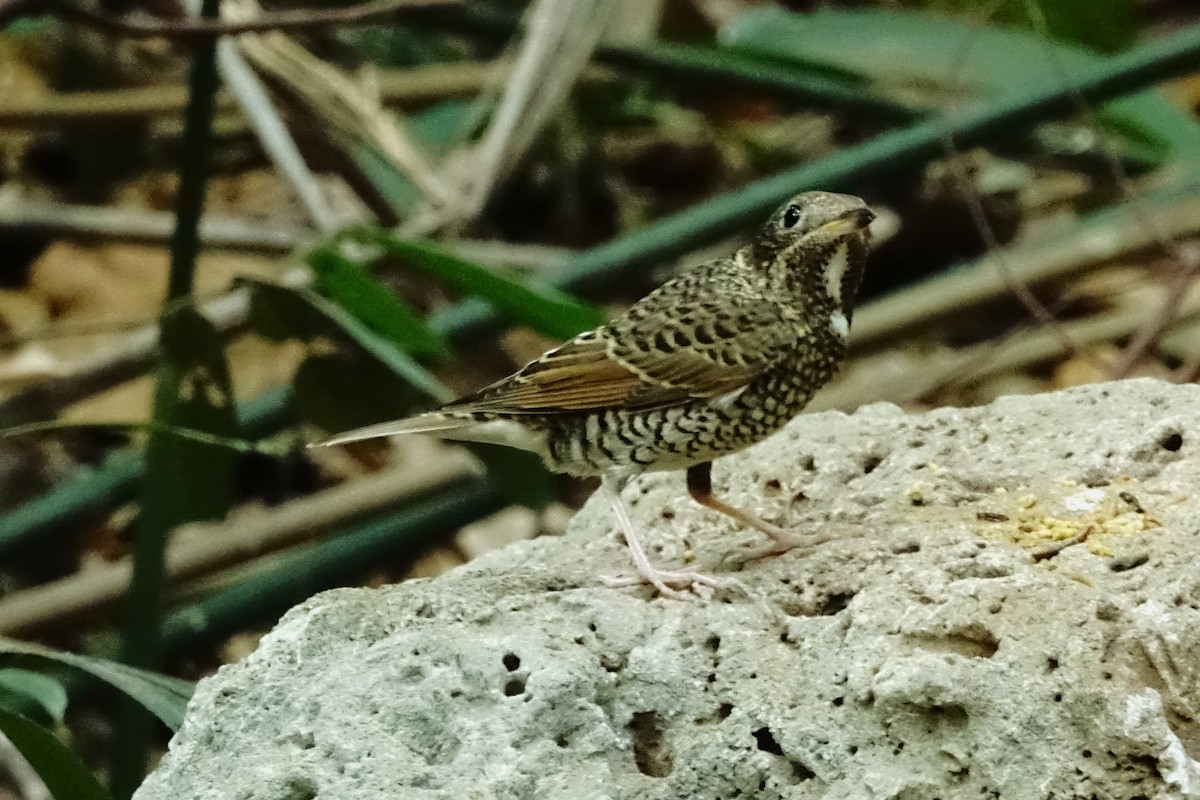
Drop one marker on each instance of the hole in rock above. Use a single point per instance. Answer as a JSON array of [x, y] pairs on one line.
[[870, 463], [800, 772], [972, 641], [511, 661], [765, 741], [667, 514], [773, 485], [1128, 562], [1172, 442], [835, 603], [724, 710], [514, 687], [651, 751], [1051, 664], [954, 716]]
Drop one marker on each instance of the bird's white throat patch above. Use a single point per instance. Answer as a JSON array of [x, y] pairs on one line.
[[840, 325], [835, 272]]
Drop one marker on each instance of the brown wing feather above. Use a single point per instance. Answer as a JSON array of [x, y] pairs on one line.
[[578, 376], [699, 336]]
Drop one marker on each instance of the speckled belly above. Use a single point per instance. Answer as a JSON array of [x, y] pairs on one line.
[[681, 436]]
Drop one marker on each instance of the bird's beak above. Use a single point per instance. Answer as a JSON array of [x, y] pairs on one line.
[[853, 221]]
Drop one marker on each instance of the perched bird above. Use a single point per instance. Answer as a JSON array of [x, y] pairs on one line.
[[712, 361]]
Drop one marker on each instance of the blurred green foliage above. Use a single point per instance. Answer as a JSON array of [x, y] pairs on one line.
[[1101, 25]]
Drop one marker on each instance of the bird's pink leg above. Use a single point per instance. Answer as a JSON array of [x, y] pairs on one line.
[[661, 579]]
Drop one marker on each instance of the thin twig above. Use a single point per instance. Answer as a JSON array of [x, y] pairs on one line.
[[201, 30], [975, 208], [153, 426]]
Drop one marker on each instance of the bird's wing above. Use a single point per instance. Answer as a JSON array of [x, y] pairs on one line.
[[578, 376], [649, 358]]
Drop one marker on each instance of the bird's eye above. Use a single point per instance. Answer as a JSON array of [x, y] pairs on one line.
[[791, 216]]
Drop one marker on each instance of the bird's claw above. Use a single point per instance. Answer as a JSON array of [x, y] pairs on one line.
[[665, 582]]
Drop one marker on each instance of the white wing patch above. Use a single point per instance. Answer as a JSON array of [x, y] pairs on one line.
[[835, 271]]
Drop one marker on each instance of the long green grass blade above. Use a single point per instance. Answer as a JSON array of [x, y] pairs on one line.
[[542, 307], [63, 772], [161, 695], [349, 285]]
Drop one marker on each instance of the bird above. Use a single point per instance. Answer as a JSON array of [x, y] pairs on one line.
[[711, 362]]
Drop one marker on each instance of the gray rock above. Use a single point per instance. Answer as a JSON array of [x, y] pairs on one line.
[[924, 653]]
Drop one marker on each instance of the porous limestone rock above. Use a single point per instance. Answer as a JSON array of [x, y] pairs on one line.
[[924, 653]]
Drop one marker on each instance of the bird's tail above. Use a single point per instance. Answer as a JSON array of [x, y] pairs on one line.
[[462, 427], [435, 423]]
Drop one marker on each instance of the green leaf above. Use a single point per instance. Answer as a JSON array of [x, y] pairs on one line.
[[925, 50], [349, 285], [547, 310], [391, 187], [59, 767], [162, 695], [194, 391], [45, 697], [282, 307]]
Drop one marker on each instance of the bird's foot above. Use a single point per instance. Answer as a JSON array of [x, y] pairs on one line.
[[669, 582]]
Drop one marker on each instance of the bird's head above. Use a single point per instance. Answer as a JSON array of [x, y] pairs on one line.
[[815, 247]]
